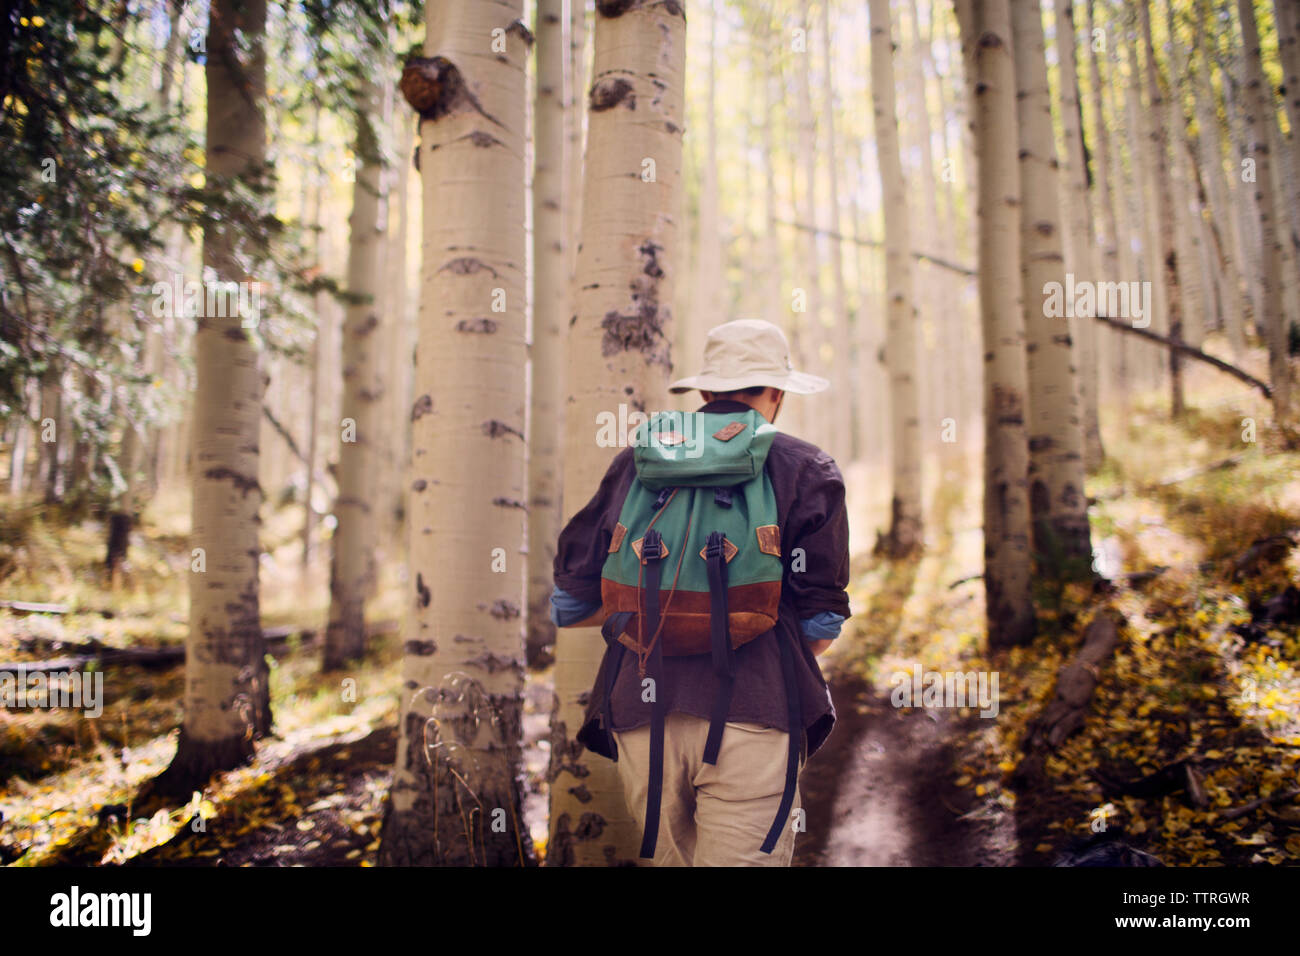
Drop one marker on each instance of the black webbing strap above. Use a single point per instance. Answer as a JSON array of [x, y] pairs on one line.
[[720, 642], [652, 554], [796, 745], [610, 630]]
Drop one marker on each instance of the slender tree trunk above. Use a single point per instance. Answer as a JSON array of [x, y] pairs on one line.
[[1225, 225], [575, 116], [619, 353], [551, 313], [1165, 215], [708, 296], [840, 444], [48, 471], [1109, 268], [317, 348], [1243, 193], [18, 447], [1187, 220], [807, 327], [1287, 18], [455, 798], [1144, 218], [986, 33], [1281, 203], [905, 529], [227, 699], [774, 309], [1258, 106], [1080, 240], [1057, 501], [352, 558]]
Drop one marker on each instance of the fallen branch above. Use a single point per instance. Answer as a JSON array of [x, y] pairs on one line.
[[31, 607], [877, 244], [1195, 471], [1282, 796], [1077, 680], [966, 580], [275, 639], [1179, 775], [1188, 350]]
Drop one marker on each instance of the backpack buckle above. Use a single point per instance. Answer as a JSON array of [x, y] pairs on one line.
[[722, 497], [714, 547], [651, 546]]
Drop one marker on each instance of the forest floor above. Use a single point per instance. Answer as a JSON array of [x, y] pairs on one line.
[[1199, 676]]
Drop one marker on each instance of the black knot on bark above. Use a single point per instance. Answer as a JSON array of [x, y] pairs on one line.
[[610, 92], [432, 85]]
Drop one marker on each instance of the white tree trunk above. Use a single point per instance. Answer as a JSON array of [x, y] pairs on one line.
[[905, 530], [358, 508], [1080, 239], [455, 796], [1258, 112], [226, 693], [1058, 504], [618, 353], [986, 33], [1166, 221], [840, 438], [1225, 225], [551, 313]]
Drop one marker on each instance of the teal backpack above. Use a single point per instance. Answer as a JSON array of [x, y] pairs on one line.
[[694, 567]]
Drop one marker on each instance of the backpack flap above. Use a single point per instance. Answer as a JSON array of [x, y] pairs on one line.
[[701, 449]]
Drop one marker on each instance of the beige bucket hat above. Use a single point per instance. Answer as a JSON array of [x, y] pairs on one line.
[[745, 353]]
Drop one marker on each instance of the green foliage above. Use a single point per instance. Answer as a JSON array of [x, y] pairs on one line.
[[89, 177]]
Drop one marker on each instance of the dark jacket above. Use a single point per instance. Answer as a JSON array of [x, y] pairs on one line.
[[809, 491]]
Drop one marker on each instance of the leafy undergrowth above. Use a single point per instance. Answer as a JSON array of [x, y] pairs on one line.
[[67, 779], [1191, 678]]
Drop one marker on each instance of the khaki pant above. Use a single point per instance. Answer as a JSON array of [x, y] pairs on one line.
[[711, 815]]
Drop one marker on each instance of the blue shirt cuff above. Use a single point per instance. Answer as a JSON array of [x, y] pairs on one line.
[[567, 609], [824, 626]]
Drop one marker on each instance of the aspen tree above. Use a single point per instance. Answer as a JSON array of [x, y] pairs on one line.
[[1169, 266], [618, 353], [357, 508], [987, 38], [227, 702], [1224, 224], [1258, 105], [455, 797], [1079, 234], [1058, 504], [550, 319], [840, 437], [905, 530]]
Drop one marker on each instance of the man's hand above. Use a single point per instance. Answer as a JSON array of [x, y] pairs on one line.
[[819, 646]]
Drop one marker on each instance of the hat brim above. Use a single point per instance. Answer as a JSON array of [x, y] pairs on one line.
[[800, 383]]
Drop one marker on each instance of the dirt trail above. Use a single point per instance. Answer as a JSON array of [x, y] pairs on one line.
[[880, 791]]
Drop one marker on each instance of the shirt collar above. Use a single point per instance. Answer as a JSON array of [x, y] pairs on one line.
[[726, 406]]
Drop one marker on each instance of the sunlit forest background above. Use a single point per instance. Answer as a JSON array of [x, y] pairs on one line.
[[307, 539]]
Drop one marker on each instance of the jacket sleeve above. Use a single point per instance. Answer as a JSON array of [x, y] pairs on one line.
[[817, 555], [583, 544]]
